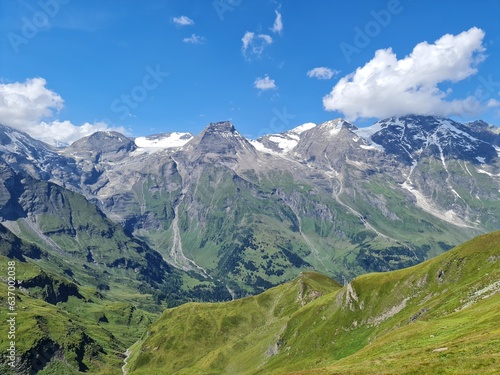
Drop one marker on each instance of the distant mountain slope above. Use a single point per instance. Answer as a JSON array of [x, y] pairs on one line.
[[77, 233], [438, 316], [73, 238]]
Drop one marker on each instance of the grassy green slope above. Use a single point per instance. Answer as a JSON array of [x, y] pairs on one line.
[[390, 322], [78, 331], [224, 337]]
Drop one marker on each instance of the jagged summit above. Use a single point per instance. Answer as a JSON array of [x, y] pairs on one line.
[[19, 150], [221, 127], [220, 138], [333, 127]]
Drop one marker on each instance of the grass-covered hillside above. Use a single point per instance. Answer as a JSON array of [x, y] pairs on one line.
[[442, 316], [65, 328]]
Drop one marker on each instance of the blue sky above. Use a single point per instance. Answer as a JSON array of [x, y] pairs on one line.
[[69, 67]]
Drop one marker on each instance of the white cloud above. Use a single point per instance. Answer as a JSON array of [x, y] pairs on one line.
[[492, 103], [247, 39], [322, 73], [30, 107], [194, 39], [183, 21], [254, 45], [265, 83], [386, 86], [267, 38], [278, 23], [28, 102]]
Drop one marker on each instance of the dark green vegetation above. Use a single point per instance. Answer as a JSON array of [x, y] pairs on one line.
[[441, 316], [64, 328]]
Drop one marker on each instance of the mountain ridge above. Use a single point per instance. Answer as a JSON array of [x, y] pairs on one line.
[[330, 197]]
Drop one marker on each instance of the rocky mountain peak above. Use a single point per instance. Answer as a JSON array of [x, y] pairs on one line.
[[107, 141], [23, 153], [220, 138], [410, 136], [102, 145], [220, 127], [288, 141], [333, 127]]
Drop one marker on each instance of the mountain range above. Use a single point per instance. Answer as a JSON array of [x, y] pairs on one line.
[[110, 231], [250, 214]]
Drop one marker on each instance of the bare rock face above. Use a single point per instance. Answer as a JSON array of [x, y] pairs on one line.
[[220, 138]]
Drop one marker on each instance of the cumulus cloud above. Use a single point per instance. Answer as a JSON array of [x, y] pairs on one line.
[[31, 107], [322, 73], [386, 86], [183, 21], [265, 83], [194, 39], [278, 23], [254, 44]]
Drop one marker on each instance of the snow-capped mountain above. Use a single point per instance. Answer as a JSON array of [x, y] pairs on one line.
[[331, 196], [41, 160], [410, 137]]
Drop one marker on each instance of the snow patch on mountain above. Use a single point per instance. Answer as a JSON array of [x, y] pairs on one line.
[[366, 134], [161, 141], [446, 125], [333, 127], [426, 205], [302, 128], [286, 144], [368, 131], [260, 147], [372, 146]]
